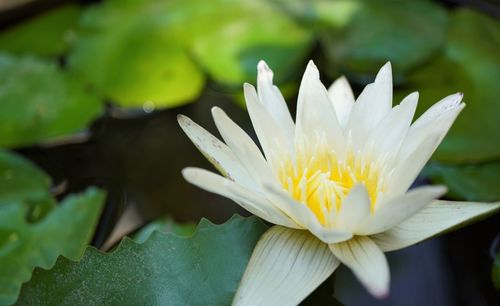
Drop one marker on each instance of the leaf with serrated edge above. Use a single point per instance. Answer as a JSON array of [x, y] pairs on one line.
[[65, 230], [204, 269]]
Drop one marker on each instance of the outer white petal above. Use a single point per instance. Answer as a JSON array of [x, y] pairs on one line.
[[285, 267], [302, 215], [244, 148], [391, 131], [273, 101], [216, 152], [270, 134], [355, 208], [372, 105], [367, 262], [315, 112], [395, 211], [251, 201], [437, 217], [436, 121], [407, 170], [342, 98], [422, 140]]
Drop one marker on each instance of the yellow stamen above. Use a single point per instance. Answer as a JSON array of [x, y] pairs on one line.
[[316, 177]]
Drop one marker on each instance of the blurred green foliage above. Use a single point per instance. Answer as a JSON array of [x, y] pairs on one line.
[[34, 231], [167, 269], [361, 36], [47, 34], [39, 101], [155, 51]]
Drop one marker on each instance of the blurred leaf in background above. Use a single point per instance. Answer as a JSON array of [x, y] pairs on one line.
[[39, 101], [471, 182], [34, 231], [21, 182], [469, 62], [359, 36], [164, 225], [166, 269], [137, 52], [46, 34]]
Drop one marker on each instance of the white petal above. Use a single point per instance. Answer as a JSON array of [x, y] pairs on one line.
[[315, 112], [270, 135], [390, 133], [216, 152], [407, 170], [437, 217], [285, 267], [355, 207], [244, 149], [302, 215], [249, 200], [342, 99], [372, 105], [366, 261], [422, 140], [395, 211], [273, 101]]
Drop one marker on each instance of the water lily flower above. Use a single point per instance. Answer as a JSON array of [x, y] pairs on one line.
[[335, 182]]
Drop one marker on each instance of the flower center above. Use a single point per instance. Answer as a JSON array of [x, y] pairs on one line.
[[317, 178]]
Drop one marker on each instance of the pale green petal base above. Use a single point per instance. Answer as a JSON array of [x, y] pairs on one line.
[[285, 267]]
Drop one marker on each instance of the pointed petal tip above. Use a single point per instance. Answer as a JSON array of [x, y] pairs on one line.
[[247, 86], [414, 94], [181, 119], [217, 111], [440, 190], [262, 66], [184, 122], [379, 293], [311, 68], [385, 73], [188, 173]]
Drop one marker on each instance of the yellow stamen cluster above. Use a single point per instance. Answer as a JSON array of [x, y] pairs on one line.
[[317, 178]]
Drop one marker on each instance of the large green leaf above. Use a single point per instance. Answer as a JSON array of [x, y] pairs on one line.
[[468, 182], [204, 269], [44, 34], [470, 63], [66, 230], [39, 101], [361, 35], [140, 53]]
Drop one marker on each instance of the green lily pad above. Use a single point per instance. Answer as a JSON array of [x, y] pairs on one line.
[[22, 182], [470, 63], [45, 34], [243, 33], [127, 51], [362, 35], [164, 225], [39, 101], [468, 182], [204, 269], [66, 230], [153, 52]]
